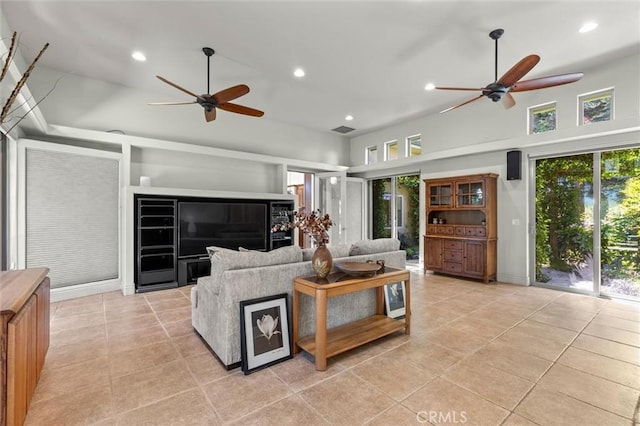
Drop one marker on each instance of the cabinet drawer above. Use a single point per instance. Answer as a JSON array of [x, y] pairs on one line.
[[453, 256], [448, 230], [452, 267], [431, 229], [459, 230], [453, 245], [475, 231]]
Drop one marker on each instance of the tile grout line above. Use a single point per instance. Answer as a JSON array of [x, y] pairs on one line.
[[554, 362]]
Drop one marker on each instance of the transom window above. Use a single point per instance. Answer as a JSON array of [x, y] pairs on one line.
[[542, 118], [371, 155], [414, 145], [596, 106], [391, 150]]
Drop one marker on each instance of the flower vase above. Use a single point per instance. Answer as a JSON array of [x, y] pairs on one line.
[[322, 261]]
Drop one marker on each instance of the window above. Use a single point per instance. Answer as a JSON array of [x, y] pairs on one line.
[[372, 155], [414, 145], [542, 118], [596, 106], [391, 150]]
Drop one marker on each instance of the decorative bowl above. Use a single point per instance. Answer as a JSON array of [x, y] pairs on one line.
[[359, 269]]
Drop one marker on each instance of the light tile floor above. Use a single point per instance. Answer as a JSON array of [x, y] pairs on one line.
[[493, 354]]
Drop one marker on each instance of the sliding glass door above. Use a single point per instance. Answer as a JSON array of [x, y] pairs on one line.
[[564, 222], [620, 207], [587, 210]]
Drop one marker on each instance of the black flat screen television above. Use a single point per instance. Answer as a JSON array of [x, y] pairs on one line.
[[223, 224]]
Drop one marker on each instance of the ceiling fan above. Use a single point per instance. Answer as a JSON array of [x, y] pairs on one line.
[[220, 99], [500, 89]]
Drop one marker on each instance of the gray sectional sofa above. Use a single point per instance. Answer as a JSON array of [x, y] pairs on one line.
[[237, 276]]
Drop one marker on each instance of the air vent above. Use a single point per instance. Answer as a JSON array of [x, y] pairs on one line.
[[343, 129]]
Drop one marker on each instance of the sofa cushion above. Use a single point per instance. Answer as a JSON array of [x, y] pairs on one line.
[[337, 250], [379, 245], [307, 254], [225, 260]]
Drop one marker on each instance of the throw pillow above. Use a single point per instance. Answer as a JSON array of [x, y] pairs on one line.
[[379, 245], [339, 250], [213, 249]]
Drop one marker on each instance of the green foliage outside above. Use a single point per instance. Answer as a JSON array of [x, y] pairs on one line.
[[564, 228], [409, 240], [380, 213], [598, 109], [543, 121], [562, 240], [621, 224]]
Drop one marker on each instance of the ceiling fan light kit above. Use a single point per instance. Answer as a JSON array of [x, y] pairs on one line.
[[219, 99], [500, 89]]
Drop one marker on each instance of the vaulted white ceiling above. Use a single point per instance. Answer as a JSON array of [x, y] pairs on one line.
[[368, 59]]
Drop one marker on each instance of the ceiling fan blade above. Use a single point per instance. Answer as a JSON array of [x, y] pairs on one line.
[[543, 82], [172, 103], [240, 109], [462, 104], [177, 87], [507, 101], [519, 70], [475, 89], [210, 115], [230, 94]]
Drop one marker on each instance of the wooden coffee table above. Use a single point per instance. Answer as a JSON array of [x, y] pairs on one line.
[[327, 343]]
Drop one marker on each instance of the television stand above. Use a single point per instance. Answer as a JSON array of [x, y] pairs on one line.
[[189, 270]]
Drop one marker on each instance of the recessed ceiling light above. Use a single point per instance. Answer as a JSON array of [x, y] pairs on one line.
[[299, 72], [429, 86], [588, 26], [138, 56], [349, 117]]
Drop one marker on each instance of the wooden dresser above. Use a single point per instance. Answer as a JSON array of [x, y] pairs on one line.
[[24, 339]]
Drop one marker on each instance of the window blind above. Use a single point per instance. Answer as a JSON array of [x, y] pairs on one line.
[[72, 216]]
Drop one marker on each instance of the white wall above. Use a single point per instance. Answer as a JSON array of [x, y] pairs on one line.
[[170, 169]]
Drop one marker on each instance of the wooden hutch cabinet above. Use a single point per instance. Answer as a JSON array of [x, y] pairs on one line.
[[461, 226]]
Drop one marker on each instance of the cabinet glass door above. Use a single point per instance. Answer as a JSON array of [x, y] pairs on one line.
[[440, 195], [470, 194]]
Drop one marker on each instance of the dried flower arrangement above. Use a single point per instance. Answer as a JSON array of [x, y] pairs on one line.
[[315, 224]]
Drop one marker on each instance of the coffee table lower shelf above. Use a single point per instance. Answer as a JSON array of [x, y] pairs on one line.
[[349, 336]]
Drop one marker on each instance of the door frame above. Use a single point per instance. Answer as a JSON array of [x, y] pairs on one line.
[[339, 222]]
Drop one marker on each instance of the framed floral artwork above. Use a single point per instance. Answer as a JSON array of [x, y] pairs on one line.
[[264, 332], [394, 300]]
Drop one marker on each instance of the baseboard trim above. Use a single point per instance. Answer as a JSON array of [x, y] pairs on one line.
[[82, 290], [513, 279]]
